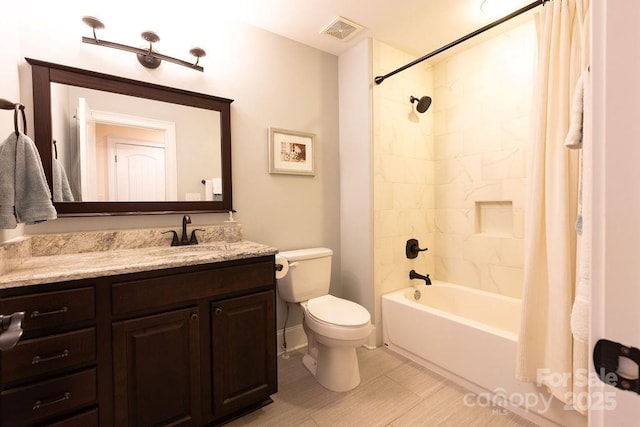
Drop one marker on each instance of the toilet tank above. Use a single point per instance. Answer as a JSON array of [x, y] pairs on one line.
[[309, 274]]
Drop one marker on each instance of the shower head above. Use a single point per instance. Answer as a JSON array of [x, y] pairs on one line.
[[423, 103]]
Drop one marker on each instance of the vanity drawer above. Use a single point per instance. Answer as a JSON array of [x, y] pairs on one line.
[[176, 288], [37, 356], [27, 405], [85, 419], [52, 309]]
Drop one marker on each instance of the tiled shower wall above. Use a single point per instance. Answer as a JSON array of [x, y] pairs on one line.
[[482, 112], [403, 165]]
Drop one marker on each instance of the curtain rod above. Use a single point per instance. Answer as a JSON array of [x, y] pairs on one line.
[[380, 79]]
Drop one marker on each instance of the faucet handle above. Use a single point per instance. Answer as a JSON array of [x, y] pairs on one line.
[[194, 239], [412, 249], [174, 241]]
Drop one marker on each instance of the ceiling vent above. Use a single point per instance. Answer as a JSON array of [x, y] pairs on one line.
[[341, 28]]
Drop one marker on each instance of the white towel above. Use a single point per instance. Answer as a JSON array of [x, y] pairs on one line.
[[61, 189], [582, 299], [217, 189], [24, 192], [576, 118]]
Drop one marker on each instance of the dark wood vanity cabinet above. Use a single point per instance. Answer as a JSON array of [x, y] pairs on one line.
[[156, 370], [244, 354], [188, 346], [51, 373]]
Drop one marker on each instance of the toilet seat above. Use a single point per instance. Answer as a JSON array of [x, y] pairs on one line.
[[322, 315], [337, 311]]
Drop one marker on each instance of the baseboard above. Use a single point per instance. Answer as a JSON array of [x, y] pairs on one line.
[[296, 339]]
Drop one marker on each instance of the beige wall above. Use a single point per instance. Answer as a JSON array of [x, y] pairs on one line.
[[453, 177], [403, 201], [482, 109], [356, 192], [9, 83], [273, 81]]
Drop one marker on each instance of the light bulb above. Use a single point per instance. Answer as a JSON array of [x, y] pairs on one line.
[[495, 7]]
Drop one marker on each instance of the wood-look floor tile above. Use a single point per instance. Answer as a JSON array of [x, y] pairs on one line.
[[446, 407], [373, 403], [377, 362], [308, 423], [293, 404], [417, 379], [291, 369], [393, 392]]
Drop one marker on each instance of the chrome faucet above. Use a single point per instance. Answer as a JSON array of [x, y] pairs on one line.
[[184, 240]]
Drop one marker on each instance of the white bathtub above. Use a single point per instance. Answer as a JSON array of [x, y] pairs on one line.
[[469, 336]]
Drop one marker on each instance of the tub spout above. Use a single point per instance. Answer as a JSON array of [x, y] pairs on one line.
[[414, 275]]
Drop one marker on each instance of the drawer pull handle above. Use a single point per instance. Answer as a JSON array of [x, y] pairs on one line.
[[36, 313], [218, 311], [39, 359], [40, 404]]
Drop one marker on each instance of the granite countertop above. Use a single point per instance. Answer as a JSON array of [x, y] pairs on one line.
[[62, 267]]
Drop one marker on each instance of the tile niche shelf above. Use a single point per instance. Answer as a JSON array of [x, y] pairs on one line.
[[494, 218]]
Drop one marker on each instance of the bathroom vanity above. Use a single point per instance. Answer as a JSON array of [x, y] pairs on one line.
[[147, 336], [120, 329]]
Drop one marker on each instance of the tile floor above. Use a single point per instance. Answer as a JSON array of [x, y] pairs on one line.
[[393, 392]]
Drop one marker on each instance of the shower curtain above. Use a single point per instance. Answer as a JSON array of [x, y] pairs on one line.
[[546, 346]]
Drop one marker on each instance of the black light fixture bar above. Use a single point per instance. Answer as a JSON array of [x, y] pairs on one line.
[[380, 79], [141, 51], [147, 56]]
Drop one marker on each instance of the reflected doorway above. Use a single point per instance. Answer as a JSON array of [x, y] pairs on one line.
[[136, 170]]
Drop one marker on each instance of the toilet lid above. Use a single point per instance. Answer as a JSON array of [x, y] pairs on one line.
[[338, 311]]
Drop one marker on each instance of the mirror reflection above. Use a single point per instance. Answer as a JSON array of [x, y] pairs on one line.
[[114, 147]]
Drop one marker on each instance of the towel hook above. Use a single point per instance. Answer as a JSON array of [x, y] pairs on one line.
[[19, 107], [15, 106]]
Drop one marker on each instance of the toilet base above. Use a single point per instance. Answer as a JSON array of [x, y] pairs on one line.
[[310, 363], [336, 369]]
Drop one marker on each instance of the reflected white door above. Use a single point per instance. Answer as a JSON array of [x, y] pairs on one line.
[[139, 173], [86, 150]]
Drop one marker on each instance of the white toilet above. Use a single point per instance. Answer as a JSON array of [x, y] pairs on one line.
[[335, 327]]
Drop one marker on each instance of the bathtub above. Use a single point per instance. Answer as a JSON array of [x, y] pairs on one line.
[[468, 336]]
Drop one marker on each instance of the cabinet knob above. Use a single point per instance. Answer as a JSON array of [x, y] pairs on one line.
[[194, 316], [218, 311]]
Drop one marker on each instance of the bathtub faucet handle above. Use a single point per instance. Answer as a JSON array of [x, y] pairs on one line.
[[413, 248], [415, 275]]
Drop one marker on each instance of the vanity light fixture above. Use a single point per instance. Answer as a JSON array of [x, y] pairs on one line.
[[494, 7], [149, 58]]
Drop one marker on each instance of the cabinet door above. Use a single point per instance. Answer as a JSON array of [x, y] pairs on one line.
[[156, 371], [244, 352]]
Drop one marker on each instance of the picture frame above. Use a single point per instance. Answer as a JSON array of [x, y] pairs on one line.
[[292, 152]]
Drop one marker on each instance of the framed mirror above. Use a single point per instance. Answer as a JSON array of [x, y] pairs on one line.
[[115, 146]]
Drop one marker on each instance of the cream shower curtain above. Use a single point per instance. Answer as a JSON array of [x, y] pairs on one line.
[[546, 346]]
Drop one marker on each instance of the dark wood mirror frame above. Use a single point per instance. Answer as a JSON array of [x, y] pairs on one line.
[[45, 73]]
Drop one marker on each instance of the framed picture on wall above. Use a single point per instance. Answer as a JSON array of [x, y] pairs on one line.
[[291, 152]]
